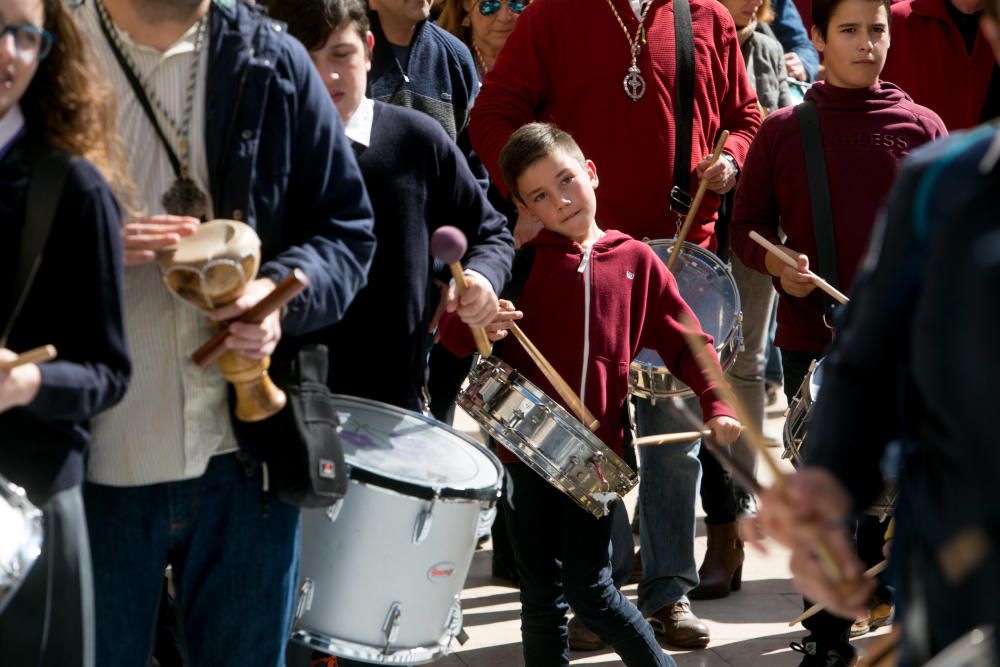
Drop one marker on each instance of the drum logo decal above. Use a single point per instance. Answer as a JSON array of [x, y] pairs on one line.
[[441, 571]]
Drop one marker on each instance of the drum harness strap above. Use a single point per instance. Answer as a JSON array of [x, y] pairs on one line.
[[48, 176], [819, 196], [680, 198]]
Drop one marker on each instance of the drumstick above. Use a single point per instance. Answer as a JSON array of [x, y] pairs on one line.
[[696, 203], [36, 355], [753, 435], [448, 244], [669, 438], [552, 375], [283, 292], [787, 259], [873, 571]]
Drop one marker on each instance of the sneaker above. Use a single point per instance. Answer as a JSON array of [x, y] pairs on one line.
[[880, 613], [819, 654]]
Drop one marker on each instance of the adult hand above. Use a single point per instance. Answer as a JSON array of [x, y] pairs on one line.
[[144, 236], [794, 66], [796, 282], [479, 303], [20, 385], [847, 598], [502, 321], [719, 177], [253, 340], [725, 430], [525, 229]]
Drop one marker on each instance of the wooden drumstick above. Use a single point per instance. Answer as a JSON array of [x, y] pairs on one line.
[[669, 438], [285, 291], [36, 355], [696, 203], [873, 572], [552, 375], [448, 244], [753, 435], [787, 259]]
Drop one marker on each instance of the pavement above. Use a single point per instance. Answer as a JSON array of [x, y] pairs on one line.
[[749, 628]]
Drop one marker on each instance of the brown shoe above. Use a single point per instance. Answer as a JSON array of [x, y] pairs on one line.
[[722, 569], [581, 638], [678, 625]]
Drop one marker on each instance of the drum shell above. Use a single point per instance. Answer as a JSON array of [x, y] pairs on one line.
[[545, 436], [21, 536], [365, 561]]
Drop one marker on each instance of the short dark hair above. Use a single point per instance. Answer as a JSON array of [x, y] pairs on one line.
[[531, 143], [822, 10], [313, 21]]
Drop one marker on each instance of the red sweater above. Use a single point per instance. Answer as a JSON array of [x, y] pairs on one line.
[[633, 304], [565, 62], [929, 61], [866, 132]]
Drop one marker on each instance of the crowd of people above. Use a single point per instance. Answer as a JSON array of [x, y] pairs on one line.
[[558, 135]]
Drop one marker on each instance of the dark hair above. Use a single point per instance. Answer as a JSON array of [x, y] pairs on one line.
[[822, 10], [531, 143], [313, 21], [992, 9]]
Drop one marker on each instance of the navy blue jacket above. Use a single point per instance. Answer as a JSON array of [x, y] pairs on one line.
[[278, 159], [439, 78], [74, 303]]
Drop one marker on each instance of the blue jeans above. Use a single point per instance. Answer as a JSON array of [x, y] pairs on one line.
[[234, 551], [668, 493], [562, 558]]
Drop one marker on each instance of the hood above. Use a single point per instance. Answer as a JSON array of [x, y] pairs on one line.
[[874, 98], [612, 239]]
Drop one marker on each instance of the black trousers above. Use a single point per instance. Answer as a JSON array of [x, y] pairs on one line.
[[50, 620]]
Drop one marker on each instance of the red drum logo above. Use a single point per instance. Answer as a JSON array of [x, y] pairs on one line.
[[441, 571]]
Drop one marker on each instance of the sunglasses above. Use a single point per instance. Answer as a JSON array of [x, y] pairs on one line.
[[491, 7]]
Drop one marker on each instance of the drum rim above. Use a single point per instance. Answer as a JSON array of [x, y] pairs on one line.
[[413, 488], [414, 655]]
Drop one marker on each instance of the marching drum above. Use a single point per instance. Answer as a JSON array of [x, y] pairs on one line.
[[707, 286], [383, 568], [545, 436], [20, 538], [796, 429]]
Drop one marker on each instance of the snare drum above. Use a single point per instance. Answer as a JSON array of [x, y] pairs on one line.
[[708, 288], [796, 429], [20, 539], [545, 436], [382, 570]]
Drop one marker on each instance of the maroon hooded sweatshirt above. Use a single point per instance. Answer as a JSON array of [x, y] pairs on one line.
[[596, 310], [866, 132]]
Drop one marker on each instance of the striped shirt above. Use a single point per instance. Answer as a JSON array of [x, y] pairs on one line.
[[175, 416]]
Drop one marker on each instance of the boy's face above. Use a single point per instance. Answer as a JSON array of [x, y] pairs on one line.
[[343, 64], [559, 192], [856, 43]]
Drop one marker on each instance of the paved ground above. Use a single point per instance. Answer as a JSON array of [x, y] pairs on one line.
[[749, 628]]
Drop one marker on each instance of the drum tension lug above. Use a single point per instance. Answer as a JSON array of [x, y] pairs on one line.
[[305, 600], [423, 526], [391, 626]]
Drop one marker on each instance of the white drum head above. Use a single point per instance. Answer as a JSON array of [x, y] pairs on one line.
[[403, 446]]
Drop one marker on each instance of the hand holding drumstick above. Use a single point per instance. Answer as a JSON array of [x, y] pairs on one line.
[[20, 378], [472, 297], [792, 269]]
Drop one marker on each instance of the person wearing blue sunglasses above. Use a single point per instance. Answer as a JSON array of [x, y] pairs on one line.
[[484, 25]]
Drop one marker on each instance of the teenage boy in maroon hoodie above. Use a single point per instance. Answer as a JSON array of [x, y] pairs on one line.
[[591, 301], [867, 127]]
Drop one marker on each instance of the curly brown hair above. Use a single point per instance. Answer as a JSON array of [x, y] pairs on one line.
[[75, 101], [452, 19]]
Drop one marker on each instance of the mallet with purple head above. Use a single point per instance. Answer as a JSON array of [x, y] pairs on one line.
[[448, 244]]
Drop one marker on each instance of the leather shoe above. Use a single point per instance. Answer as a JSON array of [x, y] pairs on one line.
[[678, 625], [581, 638]]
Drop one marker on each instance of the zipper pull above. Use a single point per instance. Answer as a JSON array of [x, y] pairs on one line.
[[585, 260]]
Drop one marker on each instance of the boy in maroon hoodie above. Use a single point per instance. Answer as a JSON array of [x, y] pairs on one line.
[[591, 301], [866, 127]]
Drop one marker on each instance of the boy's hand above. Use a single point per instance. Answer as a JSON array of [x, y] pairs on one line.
[[795, 282], [525, 229], [719, 177], [144, 236], [478, 305], [725, 430], [20, 385], [502, 321]]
